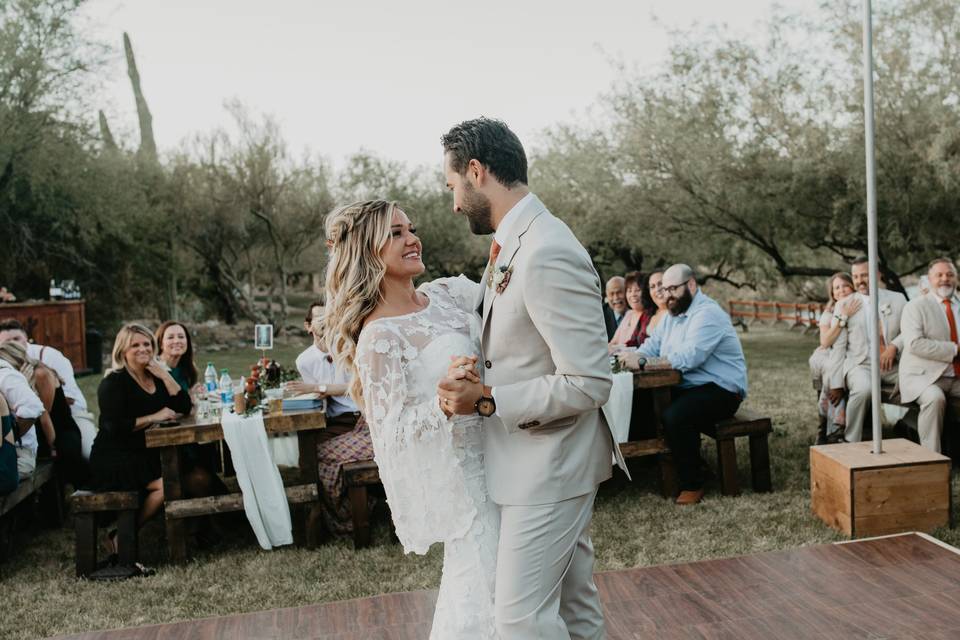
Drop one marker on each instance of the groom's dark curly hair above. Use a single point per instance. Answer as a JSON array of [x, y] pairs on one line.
[[492, 144]]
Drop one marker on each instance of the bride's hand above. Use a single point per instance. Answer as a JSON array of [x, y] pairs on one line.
[[463, 368]]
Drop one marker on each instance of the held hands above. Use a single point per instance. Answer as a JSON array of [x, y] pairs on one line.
[[462, 387]]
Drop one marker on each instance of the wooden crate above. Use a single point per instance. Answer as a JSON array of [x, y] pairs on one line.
[[906, 488]]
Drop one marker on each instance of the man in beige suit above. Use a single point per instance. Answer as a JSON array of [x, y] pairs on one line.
[[546, 374], [929, 367], [849, 362]]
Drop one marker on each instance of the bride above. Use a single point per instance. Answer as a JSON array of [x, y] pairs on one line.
[[400, 341]]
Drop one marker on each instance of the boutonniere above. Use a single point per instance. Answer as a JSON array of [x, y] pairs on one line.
[[499, 277], [886, 309]]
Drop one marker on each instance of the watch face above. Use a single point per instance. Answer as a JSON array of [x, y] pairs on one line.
[[486, 407]]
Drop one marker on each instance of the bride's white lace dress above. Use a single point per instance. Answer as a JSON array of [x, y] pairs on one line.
[[432, 466]]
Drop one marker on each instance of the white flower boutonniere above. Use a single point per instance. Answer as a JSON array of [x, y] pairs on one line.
[[885, 309], [499, 277]]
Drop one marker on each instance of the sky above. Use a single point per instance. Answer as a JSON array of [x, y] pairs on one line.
[[384, 76]]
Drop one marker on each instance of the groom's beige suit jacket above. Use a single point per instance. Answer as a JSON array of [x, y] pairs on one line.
[[928, 351], [545, 356]]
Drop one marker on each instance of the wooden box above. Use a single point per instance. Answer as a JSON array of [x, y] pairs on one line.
[[906, 488], [59, 324]]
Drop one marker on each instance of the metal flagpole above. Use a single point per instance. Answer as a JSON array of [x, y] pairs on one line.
[[872, 223]]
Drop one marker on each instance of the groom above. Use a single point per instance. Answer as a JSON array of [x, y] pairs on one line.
[[546, 373]]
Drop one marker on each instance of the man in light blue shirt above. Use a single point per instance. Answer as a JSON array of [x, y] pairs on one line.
[[697, 339]]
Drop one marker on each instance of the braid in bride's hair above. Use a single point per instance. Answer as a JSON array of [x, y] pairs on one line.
[[355, 235]]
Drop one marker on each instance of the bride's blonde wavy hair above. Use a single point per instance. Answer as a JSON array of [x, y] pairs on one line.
[[356, 233]]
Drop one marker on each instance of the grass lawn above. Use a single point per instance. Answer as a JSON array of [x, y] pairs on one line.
[[633, 526]]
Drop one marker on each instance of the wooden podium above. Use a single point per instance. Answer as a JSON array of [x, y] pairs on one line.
[[905, 488]]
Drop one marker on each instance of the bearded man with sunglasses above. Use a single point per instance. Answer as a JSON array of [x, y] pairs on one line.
[[697, 339]]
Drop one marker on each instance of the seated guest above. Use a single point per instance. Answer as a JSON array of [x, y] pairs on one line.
[[636, 318], [930, 366], [654, 298], [348, 439], [62, 441], [136, 393], [175, 348], [9, 478], [11, 329], [842, 304], [615, 304], [26, 408], [176, 351], [848, 365], [697, 339]]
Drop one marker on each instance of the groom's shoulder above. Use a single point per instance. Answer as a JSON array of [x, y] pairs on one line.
[[551, 235]]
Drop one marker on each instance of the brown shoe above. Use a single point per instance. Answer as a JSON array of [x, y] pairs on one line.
[[690, 497]]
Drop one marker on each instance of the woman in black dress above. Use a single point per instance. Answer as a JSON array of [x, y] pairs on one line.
[[136, 393], [62, 439]]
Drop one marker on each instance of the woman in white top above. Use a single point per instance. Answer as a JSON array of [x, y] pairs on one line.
[[832, 321], [400, 341]]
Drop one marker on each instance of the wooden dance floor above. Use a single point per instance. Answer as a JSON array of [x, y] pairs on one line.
[[905, 586]]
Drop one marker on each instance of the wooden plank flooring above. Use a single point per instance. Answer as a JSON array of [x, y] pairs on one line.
[[905, 586]]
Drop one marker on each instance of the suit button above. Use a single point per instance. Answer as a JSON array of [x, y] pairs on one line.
[[488, 364]]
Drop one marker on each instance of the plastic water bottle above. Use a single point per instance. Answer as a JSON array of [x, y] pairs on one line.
[[210, 378], [226, 390]]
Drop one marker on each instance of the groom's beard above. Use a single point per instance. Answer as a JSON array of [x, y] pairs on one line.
[[476, 207]]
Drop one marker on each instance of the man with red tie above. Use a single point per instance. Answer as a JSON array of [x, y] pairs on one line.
[[929, 365]]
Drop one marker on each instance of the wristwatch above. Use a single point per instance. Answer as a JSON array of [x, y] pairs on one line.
[[322, 389], [486, 406]]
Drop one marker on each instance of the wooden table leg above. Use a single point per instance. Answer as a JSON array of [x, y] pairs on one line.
[[309, 474], [668, 471], [172, 490]]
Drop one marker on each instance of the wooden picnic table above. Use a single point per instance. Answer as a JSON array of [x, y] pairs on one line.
[[305, 423], [659, 383]]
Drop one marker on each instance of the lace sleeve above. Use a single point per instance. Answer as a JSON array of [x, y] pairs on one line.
[[462, 290], [413, 445]]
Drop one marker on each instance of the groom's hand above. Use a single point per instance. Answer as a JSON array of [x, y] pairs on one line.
[[459, 396]]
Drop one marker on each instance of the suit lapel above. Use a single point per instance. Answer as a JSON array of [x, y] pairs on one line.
[[509, 251]]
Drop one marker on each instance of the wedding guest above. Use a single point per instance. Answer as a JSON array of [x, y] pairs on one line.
[[9, 478], [348, 436], [849, 361], [655, 299], [136, 393], [842, 304], [175, 347], [891, 308], [615, 304], [697, 339], [930, 365], [11, 329], [636, 318], [62, 436], [27, 408]]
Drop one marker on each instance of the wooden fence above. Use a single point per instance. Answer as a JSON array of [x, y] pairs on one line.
[[798, 315]]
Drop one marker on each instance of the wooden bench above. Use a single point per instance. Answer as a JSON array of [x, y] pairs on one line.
[[86, 506], [358, 476], [43, 485], [757, 428]]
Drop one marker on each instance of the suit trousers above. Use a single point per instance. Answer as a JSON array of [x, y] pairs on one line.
[[858, 400], [545, 588], [691, 411], [933, 406]]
